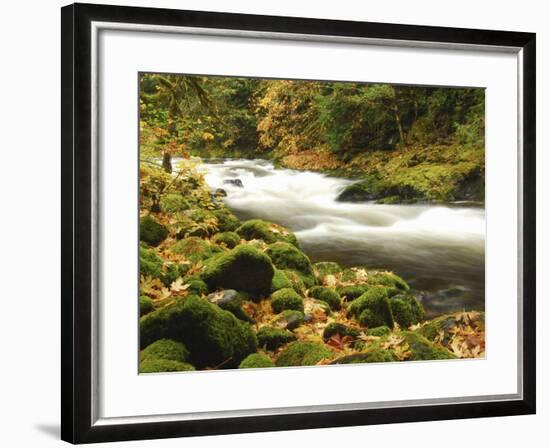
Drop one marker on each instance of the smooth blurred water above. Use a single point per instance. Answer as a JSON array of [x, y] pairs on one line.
[[438, 249]]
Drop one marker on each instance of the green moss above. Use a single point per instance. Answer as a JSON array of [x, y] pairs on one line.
[[326, 294], [280, 281], [390, 280], [406, 310], [256, 229], [256, 361], [151, 232], [214, 337], [173, 203], [272, 338], [324, 268], [373, 355], [390, 200], [286, 256], [422, 349], [150, 265], [348, 275], [194, 248], [165, 349], [227, 221], [286, 299], [302, 354], [229, 239], [197, 286], [145, 305], [352, 292], [296, 281], [243, 268], [338, 328], [292, 319], [373, 308], [153, 365], [368, 189], [380, 331]]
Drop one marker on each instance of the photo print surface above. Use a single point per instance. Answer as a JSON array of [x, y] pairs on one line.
[[288, 223]]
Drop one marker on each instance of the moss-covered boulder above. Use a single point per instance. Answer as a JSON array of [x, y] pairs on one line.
[[194, 248], [352, 292], [373, 308], [145, 305], [324, 268], [197, 286], [214, 337], [406, 310], [280, 281], [326, 294], [369, 189], [155, 365], [173, 203], [226, 220], [374, 355], [422, 349], [302, 354], [271, 338], [243, 268], [228, 239], [150, 265], [286, 299], [383, 330], [230, 300], [394, 283], [337, 328], [256, 229], [296, 281], [285, 256], [256, 361], [289, 319], [165, 349], [151, 231]]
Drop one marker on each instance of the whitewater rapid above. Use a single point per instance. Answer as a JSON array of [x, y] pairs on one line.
[[439, 249]]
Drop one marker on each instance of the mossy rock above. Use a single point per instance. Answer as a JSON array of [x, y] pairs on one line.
[[393, 282], [231, 300], [150, 265], [280, 281], [256, 361], [295, 280], [341, 329], [197, 286], [229, 239], [423, 349], [286, 256], [326, 294], [352, 292], [243, 268], [380, 331], [173, 203], [286, 299], [214, 337], [145, 305], [165, 349], [374, 355], [194, 248], [271, 338], [369, 189], [227, 221], [289, 319], [256, 229], [406, 310], [445, 326], [324, 268], [155, 365], [302, 354], [390, 200], [373, 308], [151, 231]]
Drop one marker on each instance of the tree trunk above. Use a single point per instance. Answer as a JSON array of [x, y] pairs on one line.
[[399, 125], [167, 161]]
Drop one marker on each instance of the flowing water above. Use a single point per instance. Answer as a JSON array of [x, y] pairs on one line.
[[438, 249]]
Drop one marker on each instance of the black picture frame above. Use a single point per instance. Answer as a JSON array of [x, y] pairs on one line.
[[76, 280]]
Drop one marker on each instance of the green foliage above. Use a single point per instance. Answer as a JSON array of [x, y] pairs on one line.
[[326, 294], [280, 281], [256, 229], [286, 299], [229, 239], [256, 361], [271, 338], [214, 337], [155, 365], [286, 256], [243, 268], [373, 308], [145, 305], [165, 349], [302, 354], [151, 232]]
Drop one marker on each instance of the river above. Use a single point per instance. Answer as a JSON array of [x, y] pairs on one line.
[[438, 249]]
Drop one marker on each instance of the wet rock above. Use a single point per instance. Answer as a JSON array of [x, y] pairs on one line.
[[235, 182]]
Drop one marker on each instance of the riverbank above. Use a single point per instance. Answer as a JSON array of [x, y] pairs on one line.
[[218, 292]]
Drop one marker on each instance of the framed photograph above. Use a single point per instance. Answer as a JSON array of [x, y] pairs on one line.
[[276, 223]]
